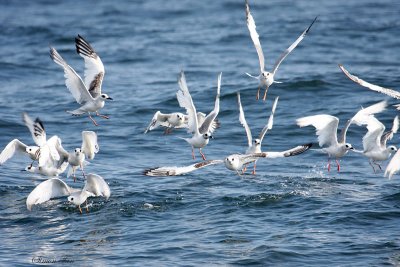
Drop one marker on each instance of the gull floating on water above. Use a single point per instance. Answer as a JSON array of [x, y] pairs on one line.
[[88, 94], [267, 78], [201, 133], [43, 152], [327, 126], [234, 162], [53, 188], [374, 141], [255, 146]]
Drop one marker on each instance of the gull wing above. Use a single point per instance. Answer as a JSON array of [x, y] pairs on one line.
[[94, 68], [394, 165], [89, 144], [291, 47], [289, 153], [186, 102], [372, 139], [174, 171], [96, 185], [73, 81], [243, 121], [389, 134], [386, 91], [36, 128], [326, 126], [270, 120], [47, 190], [15, 146], [208, 123], [251, 25]]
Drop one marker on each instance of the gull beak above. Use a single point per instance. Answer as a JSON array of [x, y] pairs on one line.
[[23, 170], [109, 98], [211, 137]]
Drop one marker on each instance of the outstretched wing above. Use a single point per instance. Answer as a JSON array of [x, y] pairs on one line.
[[174, 171], [96, 185], [389, 134], [290, 49], [208, 123], [47, 190], [326, 126], [15, 146], [186, 102], [36, 128], [243, 121], [73, 81], [371, 140], [394, 165], [386, 91], [289, 153], [251, 25], [270, 120], [89, 144], [94, 68]]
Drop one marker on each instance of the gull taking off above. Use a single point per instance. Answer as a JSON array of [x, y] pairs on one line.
[[327, 126], [201, 133], [255, 146], [234, 162], [267, 78], [94, 186], [88, 94], [374, 141]]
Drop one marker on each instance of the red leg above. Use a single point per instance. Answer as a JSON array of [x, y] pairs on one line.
[[265, 93], [202, 155], [329, 164], [103, 116], [254, 169], [94, 122], [87, 207], [338, 165], [83, 173]]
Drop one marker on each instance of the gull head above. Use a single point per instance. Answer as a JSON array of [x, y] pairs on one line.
[[392, 149], [178, 118], [207, 136], [257, 142], [348, 146], [232, 163], [32, 150], [78, 151], [105, 97]]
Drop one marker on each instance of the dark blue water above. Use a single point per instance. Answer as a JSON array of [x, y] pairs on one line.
[[292, 213]]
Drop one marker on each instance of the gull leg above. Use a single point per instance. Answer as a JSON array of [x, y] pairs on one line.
[[329, 164], [103, 116], [87, 208], [193, 156], [32, 163], [378, 165], [254, 169], [258, 93], [372, 165], [83, 173], [94, 122], [244, 169], [73, 173], [338, 165], [265, 93], [80, 210], [202, 155]]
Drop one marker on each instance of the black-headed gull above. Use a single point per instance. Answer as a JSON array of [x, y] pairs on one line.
[[88, 94], [267, 78], [201, 134], [327, 126], [95, 185], [374, 141], [254, 146], [234, 162]]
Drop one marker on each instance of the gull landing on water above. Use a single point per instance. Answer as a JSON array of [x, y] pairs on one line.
[[88, 94], [326, 129], [95, 186], [201, 134], [267, 78], [374, 141], [234, 162], [255, 146]]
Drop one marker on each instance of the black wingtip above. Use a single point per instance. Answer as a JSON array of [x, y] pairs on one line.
[[312, 23]]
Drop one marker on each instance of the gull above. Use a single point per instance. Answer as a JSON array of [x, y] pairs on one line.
[[88, 94], [267, 78], [48, 170], [42, 152], [234, 162], [95, 186], [77, 158], [201, 133], [326, 129], [386, 91], [394, 165], [175, 120], [374, 141], [255, 146]]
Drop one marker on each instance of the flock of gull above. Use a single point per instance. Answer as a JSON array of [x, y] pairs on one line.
[[52, 159]]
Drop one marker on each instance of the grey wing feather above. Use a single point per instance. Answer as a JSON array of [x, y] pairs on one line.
[[175, 171]]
